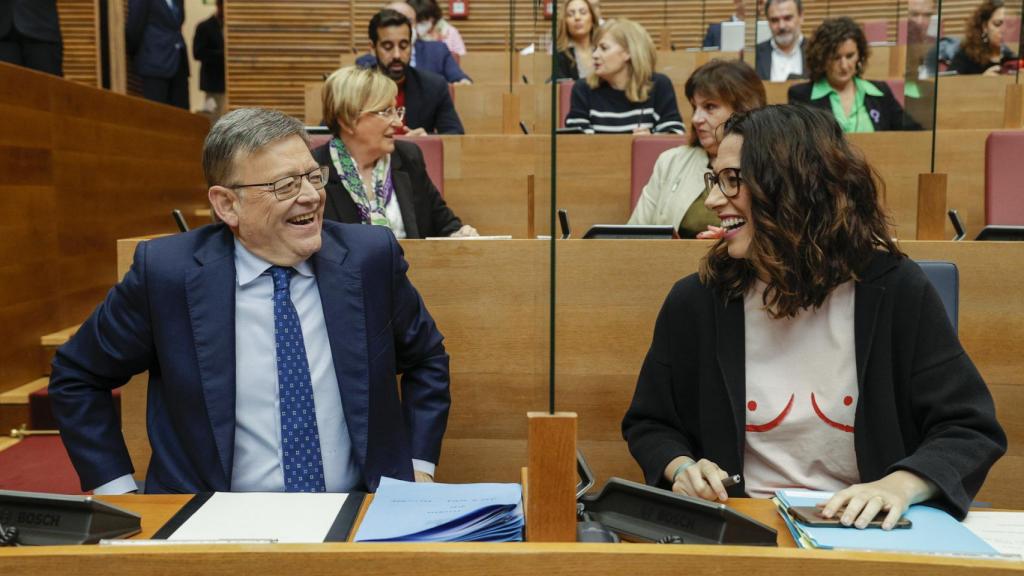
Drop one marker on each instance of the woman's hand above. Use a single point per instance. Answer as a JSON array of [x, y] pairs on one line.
[[712, 233], [993, 71], [422, 476], [894, 494], [641, 131], [699, 479], [464, 232]]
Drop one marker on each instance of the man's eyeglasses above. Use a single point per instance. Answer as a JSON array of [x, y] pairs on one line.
[[390, 113], [288, 187], [728, 181]]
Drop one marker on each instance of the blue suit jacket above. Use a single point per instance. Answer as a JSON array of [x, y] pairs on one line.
[[153, 34], [174, 315], [430, 56]]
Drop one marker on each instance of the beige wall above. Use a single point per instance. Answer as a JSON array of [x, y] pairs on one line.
[[195, 12]]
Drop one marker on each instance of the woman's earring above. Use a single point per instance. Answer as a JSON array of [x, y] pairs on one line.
[[984, 36]]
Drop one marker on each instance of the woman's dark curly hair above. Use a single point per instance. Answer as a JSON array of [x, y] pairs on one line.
[[814, 210], [826, 40], [975, 47]]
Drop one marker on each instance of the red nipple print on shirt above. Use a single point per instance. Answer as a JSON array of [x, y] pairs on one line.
[[775, 422]]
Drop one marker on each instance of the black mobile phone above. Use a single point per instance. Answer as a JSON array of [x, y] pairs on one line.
[[179, 219], [958, 224], [563, 222], [811, 516]]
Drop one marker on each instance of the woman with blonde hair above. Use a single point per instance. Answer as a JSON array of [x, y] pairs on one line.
[[983, 49], [374, 178], [624, 94], [577, 33]]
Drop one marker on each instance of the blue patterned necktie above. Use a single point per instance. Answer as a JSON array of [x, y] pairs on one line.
[[300, 439]]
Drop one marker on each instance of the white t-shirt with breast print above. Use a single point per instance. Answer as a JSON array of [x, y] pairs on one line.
[[801, 384]]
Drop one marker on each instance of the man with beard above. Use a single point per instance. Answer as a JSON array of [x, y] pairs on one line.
[[424, 54], [781, 57], [424, 95]]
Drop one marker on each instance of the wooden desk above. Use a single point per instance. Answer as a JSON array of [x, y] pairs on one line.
[[490, 300], [509, 559]]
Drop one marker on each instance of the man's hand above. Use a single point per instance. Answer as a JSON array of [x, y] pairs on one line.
[[464, 232], [464, 81], [416, 132], [894, 494], [423, 476]]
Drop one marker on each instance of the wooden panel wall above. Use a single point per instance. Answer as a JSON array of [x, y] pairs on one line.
[[80, 28], [79, 168], [274, 47]]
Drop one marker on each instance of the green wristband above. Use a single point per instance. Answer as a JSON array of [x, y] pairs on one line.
[[681, 468]]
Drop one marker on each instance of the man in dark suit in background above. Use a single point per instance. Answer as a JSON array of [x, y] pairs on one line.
[[428, 104], [208, 48], [157, 49], [713, 36], [272, 341], [425, 55], [30, 35], [782, 57]]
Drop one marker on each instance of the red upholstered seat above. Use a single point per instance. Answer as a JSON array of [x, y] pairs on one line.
[[876, 30], [433, 156], [897, 90], [646, 150], [1004, 189]]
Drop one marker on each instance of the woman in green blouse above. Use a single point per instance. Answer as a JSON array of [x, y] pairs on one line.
[[836, 57]]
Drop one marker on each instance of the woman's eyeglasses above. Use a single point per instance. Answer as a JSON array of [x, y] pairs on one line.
[[728, 181], [390, 113]]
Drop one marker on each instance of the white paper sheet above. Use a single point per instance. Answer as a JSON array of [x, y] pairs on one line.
[[290, 517], [1004, 531]]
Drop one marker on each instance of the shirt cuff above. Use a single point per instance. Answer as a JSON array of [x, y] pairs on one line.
[[122, 485], [423, 466]]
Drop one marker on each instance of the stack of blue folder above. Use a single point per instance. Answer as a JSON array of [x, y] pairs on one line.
[[432, 512], [933, 531]]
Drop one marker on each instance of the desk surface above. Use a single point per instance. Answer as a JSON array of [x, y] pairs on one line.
[[527, 559]]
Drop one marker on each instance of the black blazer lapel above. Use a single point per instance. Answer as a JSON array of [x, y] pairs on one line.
[[406, 197], [341, 296], [731, 358], [210, 292]]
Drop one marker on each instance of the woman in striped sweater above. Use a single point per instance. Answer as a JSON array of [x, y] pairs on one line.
[[624, 94]]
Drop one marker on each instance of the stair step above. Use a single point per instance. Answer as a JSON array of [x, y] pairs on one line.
[[58, 338], [20, 394]]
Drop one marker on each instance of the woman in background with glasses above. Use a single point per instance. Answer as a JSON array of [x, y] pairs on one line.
[[676, 192], [375, 179], [809, 351]]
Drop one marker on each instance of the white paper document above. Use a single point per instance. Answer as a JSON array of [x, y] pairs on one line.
[[1004, 531], [285, 517]]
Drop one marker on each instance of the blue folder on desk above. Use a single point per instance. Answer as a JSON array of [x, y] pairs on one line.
[[433, 512], [933, 531]]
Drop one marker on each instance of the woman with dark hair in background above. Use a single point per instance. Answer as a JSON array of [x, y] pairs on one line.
[[624, 94], [431, 25], [836, 58], [577, 35], [676, 192], [809, 351], [983, 49]]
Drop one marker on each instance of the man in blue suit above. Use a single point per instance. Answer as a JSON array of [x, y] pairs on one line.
[[30, 35], [426, 55], [272, 341], [157, 48]]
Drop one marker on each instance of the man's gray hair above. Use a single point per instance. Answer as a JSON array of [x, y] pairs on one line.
[[242, 132]]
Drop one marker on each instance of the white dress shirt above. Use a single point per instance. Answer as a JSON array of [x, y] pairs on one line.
[[785, 64]]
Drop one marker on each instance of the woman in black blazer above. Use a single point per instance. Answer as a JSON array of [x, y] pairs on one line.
[[375, 179], [836, 57], [809, 351]]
